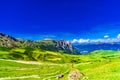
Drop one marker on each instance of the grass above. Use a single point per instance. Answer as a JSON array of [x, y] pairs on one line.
[[51, 64], [37, 55], [102, 65], [97, 65], [45, 70]]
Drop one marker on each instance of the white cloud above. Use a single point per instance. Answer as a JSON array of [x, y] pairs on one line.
[[83, 40], [74, 41], [47, 39], [80, 41], [118, 36], [106, 36]]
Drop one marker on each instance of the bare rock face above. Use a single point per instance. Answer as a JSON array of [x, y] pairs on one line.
[[64, 45], [70, 46], [75, 75], [4, 36], [7, 41]]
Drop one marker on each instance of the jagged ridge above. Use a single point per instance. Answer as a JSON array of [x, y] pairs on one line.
[[52, 45]]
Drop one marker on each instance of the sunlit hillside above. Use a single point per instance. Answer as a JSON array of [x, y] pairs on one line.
[[34, 64]]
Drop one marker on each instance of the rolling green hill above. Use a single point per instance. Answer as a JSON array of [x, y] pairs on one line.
[[101, 65], [97, 65], [36, 54]]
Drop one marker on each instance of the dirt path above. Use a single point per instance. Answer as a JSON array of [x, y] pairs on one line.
[[24, 62], [20, 77], [17, 68]]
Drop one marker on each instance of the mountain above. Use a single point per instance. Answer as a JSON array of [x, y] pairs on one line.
[[51, 45], [86, 48], [8, 41]]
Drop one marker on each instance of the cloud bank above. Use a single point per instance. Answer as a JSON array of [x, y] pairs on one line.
[[106, 39]]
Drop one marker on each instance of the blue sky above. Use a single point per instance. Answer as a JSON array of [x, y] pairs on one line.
[[60, 19]]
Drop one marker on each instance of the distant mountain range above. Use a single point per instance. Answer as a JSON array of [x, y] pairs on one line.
[[86, 48], [51, 45], [58, 45]]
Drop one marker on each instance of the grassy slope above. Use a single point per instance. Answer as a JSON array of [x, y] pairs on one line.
[[98, 65], [101, 65], [37, 55], [13, 70], [52, 63]]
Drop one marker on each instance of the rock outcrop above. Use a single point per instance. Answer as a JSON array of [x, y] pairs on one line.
[[64, 45], [75, 75], [8, 41]]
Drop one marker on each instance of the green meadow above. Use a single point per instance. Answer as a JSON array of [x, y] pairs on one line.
[[36, 64]]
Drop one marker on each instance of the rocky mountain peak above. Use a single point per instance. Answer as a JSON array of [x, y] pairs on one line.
[[64, 45], [52, 45], [8, 37]]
